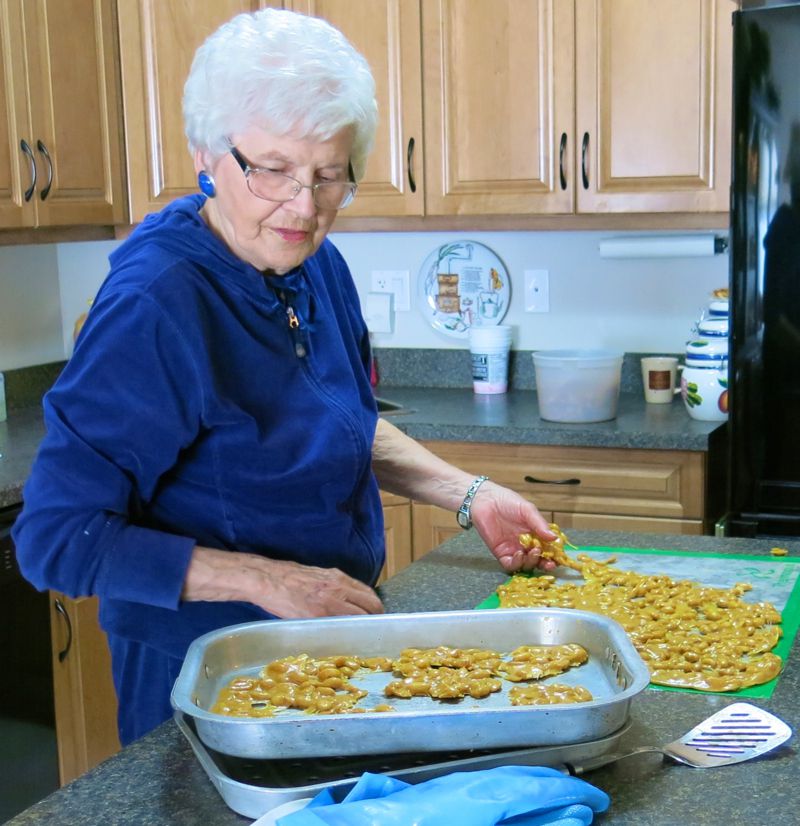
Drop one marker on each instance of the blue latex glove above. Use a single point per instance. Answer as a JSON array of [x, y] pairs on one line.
[[518, 795]]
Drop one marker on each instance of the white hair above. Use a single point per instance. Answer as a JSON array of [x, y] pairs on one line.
[[284, 72]]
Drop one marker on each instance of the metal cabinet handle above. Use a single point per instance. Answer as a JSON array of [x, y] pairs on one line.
[[23, 145], [60, 609], [534, 481], [561, 171], [412, 184], [584, 150], [43, 149]]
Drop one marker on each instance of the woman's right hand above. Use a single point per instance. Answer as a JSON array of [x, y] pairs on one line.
[[287, 589]]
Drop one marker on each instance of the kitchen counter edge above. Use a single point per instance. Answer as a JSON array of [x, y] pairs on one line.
[[448, 414]]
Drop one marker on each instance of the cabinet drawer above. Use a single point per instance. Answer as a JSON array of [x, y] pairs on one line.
[[663, 484], [633, 524]]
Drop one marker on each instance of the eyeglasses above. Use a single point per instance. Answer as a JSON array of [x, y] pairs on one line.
[[275, 186]]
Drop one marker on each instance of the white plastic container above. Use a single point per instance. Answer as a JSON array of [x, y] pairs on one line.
[[489, 349], [577, 385]]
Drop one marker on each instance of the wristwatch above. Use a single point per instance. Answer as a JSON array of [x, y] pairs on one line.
[[463, 516]]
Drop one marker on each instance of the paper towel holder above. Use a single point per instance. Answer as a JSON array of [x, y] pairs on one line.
[[663, 246]]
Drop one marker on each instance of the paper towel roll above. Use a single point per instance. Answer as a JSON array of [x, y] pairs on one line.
[[667, 246]]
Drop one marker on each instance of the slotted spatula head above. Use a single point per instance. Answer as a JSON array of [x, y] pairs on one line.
[[735, 733]]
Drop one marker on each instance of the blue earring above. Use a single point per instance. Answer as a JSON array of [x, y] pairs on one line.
[[206, 184]]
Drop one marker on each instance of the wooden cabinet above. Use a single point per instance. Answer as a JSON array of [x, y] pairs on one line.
[[431, 526], [61, 140], [499, 83], [653, 105], [581, 488], [552, 107], [589, 106], [85, 701], [637, 524], [387, 33], [491, 108], [649, 491], [490, 70], [397, 533], [157, 43]]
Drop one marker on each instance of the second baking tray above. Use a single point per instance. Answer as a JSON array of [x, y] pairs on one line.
[[254, 787], [614, 675]]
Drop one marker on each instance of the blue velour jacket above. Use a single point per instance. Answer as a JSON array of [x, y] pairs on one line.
[[192, 413]]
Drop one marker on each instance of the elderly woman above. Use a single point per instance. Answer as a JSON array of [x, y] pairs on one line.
[[213, 451]]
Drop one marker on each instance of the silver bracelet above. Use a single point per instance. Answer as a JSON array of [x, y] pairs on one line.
[[463, 516]]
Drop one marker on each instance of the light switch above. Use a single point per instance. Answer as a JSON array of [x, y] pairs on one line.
[[537, 291], [378, 312]]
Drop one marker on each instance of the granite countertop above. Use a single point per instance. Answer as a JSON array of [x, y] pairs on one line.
[[451, 413], [458, 414], [157, 780], [20, 435]]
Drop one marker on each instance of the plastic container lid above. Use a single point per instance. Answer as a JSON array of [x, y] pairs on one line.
[[577, 358]]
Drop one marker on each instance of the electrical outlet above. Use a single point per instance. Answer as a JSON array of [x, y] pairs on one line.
[[396, 282], [537, 291]]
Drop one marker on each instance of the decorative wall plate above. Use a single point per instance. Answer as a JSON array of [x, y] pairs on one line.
[[463, 284]]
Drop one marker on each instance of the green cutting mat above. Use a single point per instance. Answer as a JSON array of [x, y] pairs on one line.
[[774, 579]]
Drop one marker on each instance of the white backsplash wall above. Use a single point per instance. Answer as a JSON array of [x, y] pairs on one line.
[[636, 305], [30, 309], [82, 267]]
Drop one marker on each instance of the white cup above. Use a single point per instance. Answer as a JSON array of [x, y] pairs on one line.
[[659, 375], [489, 348]]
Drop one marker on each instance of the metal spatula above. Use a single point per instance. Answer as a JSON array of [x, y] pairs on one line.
[[736, 733]]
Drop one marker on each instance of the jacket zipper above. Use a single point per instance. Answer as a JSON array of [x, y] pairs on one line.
[[300, 351], [294, 326]]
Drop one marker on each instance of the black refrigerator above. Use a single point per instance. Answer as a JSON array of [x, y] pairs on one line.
[[763, 485]]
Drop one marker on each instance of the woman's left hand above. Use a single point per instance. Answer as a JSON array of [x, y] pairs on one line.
[[500, 515]]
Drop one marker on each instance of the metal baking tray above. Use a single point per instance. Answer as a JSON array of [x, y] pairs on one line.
[[254, 787], [614, 675]]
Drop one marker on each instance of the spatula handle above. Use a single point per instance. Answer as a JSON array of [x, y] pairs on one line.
[[592, 763]]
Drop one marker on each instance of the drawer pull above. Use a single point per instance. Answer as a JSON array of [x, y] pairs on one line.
[[534, 481]]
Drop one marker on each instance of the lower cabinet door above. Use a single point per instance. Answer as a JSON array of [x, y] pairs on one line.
[[431, 526], [397, 534], [85, 700]]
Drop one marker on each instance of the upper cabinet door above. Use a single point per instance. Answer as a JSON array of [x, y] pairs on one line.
[[157, 42], [499, 106], [653, 105], [17, 166], [75, 111], [387, 33]]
